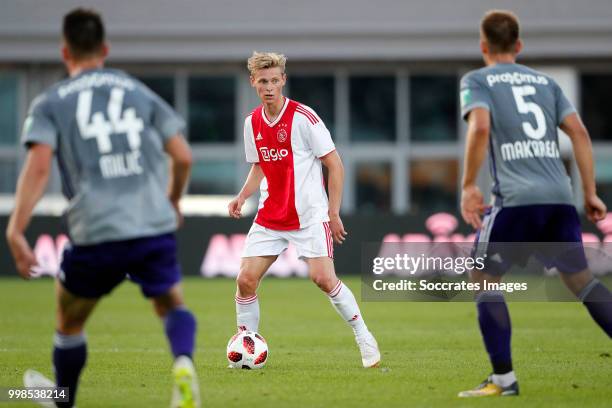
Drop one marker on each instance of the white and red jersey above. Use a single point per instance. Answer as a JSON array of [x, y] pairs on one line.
[[288, 151]]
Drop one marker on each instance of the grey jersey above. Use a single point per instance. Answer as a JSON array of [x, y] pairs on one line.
[[108, 132], [526, 107]]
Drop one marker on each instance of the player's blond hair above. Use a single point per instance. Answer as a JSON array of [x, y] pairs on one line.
[[263, 60]]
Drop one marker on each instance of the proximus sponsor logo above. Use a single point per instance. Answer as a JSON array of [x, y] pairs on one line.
[[95, 80], [516, 78], [529, 149]]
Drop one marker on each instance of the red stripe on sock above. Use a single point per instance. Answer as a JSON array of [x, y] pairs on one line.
[[246, 298], [334, 292], [246, 301]]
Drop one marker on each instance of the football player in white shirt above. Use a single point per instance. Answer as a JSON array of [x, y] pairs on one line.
[[287, 144]]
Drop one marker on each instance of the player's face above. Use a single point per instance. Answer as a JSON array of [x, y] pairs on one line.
[[269, 84]]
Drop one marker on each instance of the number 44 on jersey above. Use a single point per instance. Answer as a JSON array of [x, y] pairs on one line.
[[97, 127]]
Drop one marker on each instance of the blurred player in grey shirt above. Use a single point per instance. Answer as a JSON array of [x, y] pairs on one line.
[[514, 112], [111, 136]]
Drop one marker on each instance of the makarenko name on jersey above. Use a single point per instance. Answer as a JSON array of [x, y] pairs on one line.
[[529, 149]]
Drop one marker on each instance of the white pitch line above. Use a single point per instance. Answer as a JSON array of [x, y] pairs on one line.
[[96, 350]]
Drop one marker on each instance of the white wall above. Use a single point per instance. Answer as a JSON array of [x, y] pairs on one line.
[[183, 30]]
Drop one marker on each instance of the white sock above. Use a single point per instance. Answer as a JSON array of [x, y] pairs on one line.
[[504, 380], [247, 313], [345, 304]]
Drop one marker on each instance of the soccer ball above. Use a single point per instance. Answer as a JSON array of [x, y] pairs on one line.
[[247, 349]]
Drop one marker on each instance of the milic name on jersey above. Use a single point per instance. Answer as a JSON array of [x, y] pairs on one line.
[[120, 165]]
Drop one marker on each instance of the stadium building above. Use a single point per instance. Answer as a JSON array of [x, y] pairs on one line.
[[383, 76]]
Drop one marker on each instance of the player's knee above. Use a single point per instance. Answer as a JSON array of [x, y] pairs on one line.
[[578, 281], [162, 308], [165, 303], [325, 283], [71, 321], [69, 326], [247, 284]]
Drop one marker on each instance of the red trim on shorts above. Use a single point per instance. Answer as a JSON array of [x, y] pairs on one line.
[[329, 239]]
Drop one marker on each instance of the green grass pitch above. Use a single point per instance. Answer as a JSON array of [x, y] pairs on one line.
[[430, 350]]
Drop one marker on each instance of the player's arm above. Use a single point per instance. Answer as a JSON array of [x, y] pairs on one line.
[[255, 175], [30, 188], [572, 125], [180, 167], [477, 141], [335, 184], [251, 185]]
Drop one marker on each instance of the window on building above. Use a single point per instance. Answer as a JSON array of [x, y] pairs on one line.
[[162, 86], [596, 107], [434, 185], [316, 92], [433, 108], [603, 169], [8, 111], [212, 107], [373, 187], [372, 108], [8, 181], [213, 177]]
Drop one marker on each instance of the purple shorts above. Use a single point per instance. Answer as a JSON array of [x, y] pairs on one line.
[[550, 232], [92, 271]]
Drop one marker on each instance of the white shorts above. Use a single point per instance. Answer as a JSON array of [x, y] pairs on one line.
[[313, 241]]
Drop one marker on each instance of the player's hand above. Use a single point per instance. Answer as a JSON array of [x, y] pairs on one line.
[[22, 254], [595, 208], [180, 220], [234, 208], [337, 229], [472, 206]]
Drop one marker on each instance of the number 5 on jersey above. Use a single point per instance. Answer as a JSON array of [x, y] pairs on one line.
[[525, 107], [101, 129]]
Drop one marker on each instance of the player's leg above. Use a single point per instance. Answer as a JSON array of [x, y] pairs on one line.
[[322, 273], [593, 294], [179, 322], [252, 270], [155, 269], [496, 330], [87, 274], [493, 316], [573, 266], [314, 245], [70, 345], [180, 328], [261, 248], [154, 266]]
